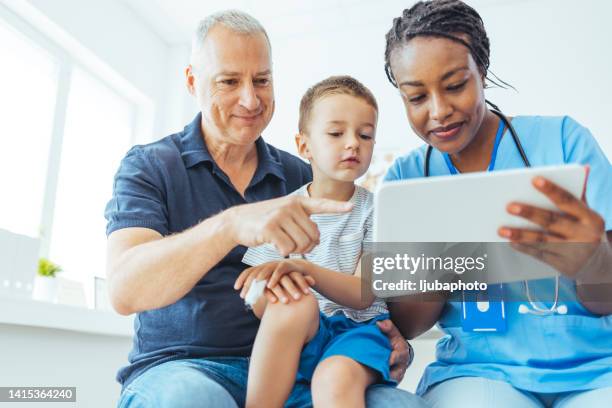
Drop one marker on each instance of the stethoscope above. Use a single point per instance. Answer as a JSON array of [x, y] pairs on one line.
[[523, 309]]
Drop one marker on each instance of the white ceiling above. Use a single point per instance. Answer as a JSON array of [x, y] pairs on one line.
[[174, 20]]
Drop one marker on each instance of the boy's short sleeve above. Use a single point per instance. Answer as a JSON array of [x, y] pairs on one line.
[[261, 254], [138, 197]]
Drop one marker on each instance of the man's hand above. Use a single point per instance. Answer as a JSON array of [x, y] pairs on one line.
[[284, 222], [401, 356], [287, 280]]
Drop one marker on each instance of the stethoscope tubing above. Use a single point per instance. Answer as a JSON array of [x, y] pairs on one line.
[[517, 142]]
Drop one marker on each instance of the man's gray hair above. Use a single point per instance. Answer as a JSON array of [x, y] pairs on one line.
[[235, 20]]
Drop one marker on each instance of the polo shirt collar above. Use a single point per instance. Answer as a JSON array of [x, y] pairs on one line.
[[195, 151]]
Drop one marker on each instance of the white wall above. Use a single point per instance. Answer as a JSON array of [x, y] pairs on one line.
[[114, 43], [556, 53], [42, 357], [180, 106]]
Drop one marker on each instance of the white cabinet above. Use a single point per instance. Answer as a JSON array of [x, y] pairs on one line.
[[18, 264]]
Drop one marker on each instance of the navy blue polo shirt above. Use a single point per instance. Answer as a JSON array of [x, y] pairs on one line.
[[169, 186]]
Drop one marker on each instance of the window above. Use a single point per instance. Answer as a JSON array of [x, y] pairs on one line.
[[97, 133], [28, 84], [66, 122]]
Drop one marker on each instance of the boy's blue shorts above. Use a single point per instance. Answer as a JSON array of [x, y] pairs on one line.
[[340, 336]]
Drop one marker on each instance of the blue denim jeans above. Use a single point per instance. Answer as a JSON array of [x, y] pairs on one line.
[[220, 382]]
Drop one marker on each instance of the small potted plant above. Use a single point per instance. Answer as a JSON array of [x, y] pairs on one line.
[[45, 284]]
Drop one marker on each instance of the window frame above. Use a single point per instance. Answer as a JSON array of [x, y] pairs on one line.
[[69, 55]]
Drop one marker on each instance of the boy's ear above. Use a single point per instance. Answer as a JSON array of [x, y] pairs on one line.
[[301, 143]]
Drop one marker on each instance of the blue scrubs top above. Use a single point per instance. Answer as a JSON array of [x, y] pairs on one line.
[[554, 353]]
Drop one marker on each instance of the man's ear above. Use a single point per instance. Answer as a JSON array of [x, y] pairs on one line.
[[190, 79], [301, 143]]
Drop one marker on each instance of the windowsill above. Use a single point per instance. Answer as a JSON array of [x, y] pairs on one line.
[[33, 313]]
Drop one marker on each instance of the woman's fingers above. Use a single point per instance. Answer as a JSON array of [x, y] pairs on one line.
[[575, 221], [558, 223], [528, 235], [564, 231], [563, 199]]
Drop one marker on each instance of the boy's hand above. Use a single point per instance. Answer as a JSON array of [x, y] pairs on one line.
[[287, 279]]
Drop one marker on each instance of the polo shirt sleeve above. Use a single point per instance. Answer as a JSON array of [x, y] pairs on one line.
[[138, 195], [261, 254], [579, 146]]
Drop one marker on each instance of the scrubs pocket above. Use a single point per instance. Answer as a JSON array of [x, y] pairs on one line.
[[460, 347], [572, 338]]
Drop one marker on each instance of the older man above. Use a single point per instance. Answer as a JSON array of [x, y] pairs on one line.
[[193, 335]]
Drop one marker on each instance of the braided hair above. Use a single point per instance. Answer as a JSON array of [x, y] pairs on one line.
[[452, 19]]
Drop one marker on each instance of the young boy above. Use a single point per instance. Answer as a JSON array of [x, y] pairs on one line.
[[342, 349]]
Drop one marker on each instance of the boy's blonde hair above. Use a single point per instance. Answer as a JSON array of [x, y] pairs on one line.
[[335, 85]]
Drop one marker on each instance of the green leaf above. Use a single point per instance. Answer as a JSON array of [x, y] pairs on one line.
[[48, 268]]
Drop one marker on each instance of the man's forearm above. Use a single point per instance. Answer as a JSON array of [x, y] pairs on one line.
[[157, 273]]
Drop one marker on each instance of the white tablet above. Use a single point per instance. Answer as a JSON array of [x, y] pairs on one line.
[[468, 209], [464, 208]]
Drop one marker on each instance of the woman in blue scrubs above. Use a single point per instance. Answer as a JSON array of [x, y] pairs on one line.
[[437, 55]]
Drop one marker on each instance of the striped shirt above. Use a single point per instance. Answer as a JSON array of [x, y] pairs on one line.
[[341, 242]]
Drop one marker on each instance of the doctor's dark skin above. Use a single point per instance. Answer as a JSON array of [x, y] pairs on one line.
[[445, 101], [442, 89]]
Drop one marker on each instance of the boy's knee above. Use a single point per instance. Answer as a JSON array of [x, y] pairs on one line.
[[296, 312], [336, 376]]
